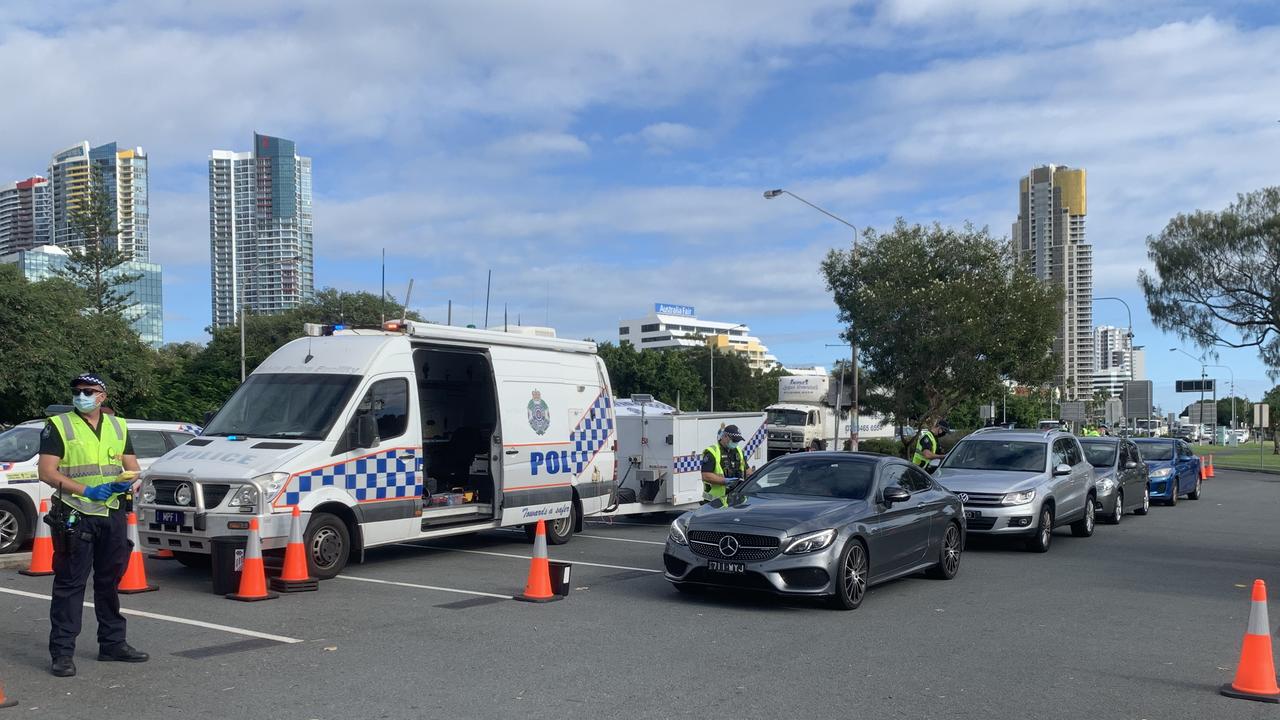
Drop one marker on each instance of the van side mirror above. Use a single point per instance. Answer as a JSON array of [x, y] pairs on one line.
[[1063, 469], [366, 430], [208, 417], [894, 494]]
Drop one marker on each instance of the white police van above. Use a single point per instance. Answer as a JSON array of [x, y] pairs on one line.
[[20, 488], [382, 436]]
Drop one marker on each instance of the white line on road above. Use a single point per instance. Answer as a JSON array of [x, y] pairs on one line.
[[172, 619], [526, 557], [600, 537], [424, 587]]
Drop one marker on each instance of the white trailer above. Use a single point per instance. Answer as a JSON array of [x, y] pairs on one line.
[[660, 457]]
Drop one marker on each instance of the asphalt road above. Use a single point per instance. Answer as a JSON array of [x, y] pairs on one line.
[[1143, 620]]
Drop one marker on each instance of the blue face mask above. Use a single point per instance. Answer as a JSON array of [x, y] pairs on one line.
[[735, 444], [84, 404]]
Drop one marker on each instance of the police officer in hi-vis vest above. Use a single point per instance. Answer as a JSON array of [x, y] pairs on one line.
[[723, 464], [86, 457], [927, 444]]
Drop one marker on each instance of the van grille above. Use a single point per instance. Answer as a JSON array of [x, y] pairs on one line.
[[167, 489]]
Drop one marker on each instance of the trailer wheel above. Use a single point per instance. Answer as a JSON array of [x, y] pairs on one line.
[[328, 545]]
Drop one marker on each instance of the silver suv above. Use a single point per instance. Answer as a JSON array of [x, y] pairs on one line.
[[1021, 483]]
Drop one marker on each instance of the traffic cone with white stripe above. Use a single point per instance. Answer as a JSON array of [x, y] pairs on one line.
[[1210, 466], [6, 702], [253, 575], [42, 547], [538, 587], [135, 575], [1256, 673], [295, 577]]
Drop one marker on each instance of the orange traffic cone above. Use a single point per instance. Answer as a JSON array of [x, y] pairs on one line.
[[5, 702], [1204, 471], [163, 554], [1210, 466], [135, 575], [253, 576], [42, 547], [1256, 674], [538, 587], [295, 576]]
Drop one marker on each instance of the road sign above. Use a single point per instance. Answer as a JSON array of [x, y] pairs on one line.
[[1071, 411], [987, 412], [1203, 413], [1137, 399], [1204, 385], [1261, 415]]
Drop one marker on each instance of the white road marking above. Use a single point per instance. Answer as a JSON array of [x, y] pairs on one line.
[[424, 587], [172, 619], [527, 557]]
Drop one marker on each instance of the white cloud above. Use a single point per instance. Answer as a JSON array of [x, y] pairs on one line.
[[665, 137], [540, 144]]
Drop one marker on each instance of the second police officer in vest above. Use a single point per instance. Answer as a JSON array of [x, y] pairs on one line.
[[723, 464], [927, 444], [84, 455]]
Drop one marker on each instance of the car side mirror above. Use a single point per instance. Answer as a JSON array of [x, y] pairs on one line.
[[366, 430], [1063, 469], [895, 494], [1129, 465]]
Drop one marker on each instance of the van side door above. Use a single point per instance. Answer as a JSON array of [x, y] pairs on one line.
[[377, 457]]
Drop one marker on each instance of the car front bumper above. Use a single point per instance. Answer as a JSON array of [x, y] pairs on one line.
[[807, 575], [1001, 519], [1162, 488]]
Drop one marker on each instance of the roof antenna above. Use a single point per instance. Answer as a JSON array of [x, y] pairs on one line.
[[404, 315]]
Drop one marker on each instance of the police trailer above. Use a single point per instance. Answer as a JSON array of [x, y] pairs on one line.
[[413, 431]]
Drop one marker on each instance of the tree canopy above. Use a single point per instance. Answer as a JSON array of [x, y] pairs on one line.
[[941, 316], [1217, 276]]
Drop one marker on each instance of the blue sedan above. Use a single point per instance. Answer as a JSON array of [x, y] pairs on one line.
[[1173, 469]]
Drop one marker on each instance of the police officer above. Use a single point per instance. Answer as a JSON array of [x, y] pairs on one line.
[[83, 455], [927, 444], [723, 464]]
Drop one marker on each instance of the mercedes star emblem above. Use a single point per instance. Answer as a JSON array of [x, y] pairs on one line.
[[729, 546]]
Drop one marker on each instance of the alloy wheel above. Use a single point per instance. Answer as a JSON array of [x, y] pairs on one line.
[[1146, 499], [1119, 511], [1046, 528], [951, 550], [855, 574], [8, 529], [1089, 516]]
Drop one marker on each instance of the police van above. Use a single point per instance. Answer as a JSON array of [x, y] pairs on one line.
[[381, 436], [20, 488]]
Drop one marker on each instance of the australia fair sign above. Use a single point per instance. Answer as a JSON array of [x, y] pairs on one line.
[[667, 309]]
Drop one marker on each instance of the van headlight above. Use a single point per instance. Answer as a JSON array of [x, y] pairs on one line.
[[247, 496], [182, 495], [812, 542], [677, 534], [1019, 498]]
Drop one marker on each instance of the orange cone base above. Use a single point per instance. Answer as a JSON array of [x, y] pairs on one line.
[[8, 703], [529, 598], [293, 586], [1230, 691], [135, 591], [34, 573], [163, 555], [255, 598]]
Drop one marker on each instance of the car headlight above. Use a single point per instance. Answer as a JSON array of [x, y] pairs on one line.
[[148, 493], [1019, 498], [1107, 484], [1161, 473], [677, 534], [182, 495], [812, 542]]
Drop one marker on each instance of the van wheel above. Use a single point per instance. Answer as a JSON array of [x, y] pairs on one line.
[[1084, 526], [13, 527], [328, 545], [195, 561], [1044, 533], [559, 530]]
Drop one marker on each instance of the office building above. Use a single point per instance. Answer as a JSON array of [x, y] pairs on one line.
[[124, 178], [26, 215], [146, 293], [676, 326], [260, 229], [1049, 237]]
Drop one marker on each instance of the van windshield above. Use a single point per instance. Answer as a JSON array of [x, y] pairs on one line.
[[284, 405], [19, 444]]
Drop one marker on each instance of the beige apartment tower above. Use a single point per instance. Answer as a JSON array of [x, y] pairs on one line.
[[1049, 237]]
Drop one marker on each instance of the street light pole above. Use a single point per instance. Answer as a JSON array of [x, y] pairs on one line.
[[1202, 377], [1233, 394], [853, 341], [254, 274]]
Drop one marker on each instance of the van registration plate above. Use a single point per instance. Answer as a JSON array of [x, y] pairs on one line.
[[169, 517]]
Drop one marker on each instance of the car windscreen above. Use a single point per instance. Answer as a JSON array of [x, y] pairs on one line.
[[1156, 450], [846, 479], [1099, 454], [786, 417], [284, 405], [19, 444], [996, 455]]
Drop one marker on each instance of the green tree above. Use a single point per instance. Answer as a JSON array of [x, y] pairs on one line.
[[942, 315], [1272, 398], [94, 266], [1215, 280]]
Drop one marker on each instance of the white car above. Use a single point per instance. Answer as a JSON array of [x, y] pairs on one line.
[[21, 490], [1242, 435]]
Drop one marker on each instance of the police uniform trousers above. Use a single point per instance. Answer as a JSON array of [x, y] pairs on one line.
[[101, 545]]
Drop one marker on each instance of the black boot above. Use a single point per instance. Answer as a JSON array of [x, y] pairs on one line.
[[122, 653], [63, 666]]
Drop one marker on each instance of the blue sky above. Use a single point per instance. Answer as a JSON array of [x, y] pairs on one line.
[[599, 157]]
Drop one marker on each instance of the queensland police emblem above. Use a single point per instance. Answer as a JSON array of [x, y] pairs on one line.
[[539, 414]]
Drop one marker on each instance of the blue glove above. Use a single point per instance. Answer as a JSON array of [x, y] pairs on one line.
[[121, 486], [100, 493], [730, 483]]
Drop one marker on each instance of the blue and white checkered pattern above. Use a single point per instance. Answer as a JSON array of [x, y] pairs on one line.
[[592, 432], [380, 476], [693, 462]]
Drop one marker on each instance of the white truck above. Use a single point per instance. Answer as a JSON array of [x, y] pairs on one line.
[[805, 412], [407, 432]]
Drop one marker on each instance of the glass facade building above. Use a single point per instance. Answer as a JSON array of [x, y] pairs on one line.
[[125, 178], [260, 229], [26, 215], [146, 293]]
